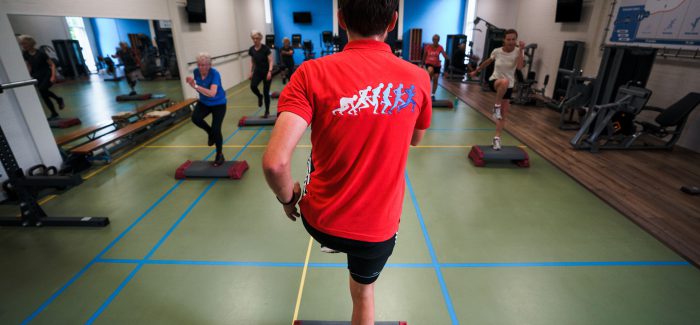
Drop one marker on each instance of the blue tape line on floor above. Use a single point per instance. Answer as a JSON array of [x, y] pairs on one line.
[[162, 240], [55, 295], [433, 256]]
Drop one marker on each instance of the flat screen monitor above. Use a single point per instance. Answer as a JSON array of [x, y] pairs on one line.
[[196, 11], [302, 17], [568, 11]]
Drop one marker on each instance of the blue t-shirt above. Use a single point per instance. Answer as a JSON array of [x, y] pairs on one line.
[[213, 78]]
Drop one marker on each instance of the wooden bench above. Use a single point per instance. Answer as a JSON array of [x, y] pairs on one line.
[[140, 111], [175, 108], [132, 132], [88, 133]]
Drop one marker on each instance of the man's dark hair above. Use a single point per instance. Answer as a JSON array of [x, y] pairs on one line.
[[511, 31], [368, 17]]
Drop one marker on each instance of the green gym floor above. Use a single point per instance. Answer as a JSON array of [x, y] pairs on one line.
[[495, 245]]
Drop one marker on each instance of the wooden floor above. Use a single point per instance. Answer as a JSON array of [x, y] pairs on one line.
[[642, 185]]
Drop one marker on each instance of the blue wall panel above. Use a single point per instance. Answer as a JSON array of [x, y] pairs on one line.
[[109, 32], [321, 20], [440, 17]]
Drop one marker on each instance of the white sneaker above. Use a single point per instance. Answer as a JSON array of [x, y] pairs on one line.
[[496, 113], [325, 249], [496, 143]]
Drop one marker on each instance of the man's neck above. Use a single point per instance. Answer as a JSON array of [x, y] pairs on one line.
[[356, 37]]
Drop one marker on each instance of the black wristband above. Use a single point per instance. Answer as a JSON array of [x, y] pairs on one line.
[[294, 196]]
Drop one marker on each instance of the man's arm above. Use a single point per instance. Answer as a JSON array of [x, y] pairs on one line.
[[277, 158], [417, 137]]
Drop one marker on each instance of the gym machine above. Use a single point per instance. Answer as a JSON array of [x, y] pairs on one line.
[[27, 188], [577, 98], [606, 126]]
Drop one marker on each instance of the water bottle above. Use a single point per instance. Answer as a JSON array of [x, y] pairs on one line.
[[456, 101]]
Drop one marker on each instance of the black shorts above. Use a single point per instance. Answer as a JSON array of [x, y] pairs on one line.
[[365, 259], [436, 68], [507, 95]]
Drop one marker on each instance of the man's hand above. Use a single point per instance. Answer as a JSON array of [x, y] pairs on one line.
[[250, 76], [290, 209], [269, 75], [473, 74], [521, 44], [190, 81]]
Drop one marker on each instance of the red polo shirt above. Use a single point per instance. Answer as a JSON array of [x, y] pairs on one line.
[[363, 105]]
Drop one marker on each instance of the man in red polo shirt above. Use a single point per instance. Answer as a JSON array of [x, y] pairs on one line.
[[355, 187]]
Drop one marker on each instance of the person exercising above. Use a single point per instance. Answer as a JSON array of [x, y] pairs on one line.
[[287, 58], [212, 100], [260, 70], [131, 65], [431, 60], [41, 68], [355, 187], [507, 58]]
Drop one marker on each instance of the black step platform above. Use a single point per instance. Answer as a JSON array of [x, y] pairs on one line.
[[123, 98], [480, 155], [205, 169], [257, 120], [328, 322], [443, 103]]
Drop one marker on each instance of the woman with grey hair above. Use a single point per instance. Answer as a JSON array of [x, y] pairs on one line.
[[212, 100], [260, 70], [41, 68]]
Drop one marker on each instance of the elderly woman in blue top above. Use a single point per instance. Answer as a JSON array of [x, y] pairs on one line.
[[212, 100]]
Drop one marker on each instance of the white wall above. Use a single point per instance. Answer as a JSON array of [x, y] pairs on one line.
[[44, 29], [134, 9], [218, 36], [535, 24], [670, 80], [501, 13]]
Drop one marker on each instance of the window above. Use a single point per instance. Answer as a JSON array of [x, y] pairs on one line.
[[76, 28]]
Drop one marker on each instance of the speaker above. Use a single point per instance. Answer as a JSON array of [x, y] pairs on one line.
[[327, 37], [296, 41], [270, 41]]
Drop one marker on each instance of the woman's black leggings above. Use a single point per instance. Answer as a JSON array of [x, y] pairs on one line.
[[255, 82], [217, 112], [46, 95]]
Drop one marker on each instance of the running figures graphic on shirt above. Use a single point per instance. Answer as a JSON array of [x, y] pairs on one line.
[[363, 99]]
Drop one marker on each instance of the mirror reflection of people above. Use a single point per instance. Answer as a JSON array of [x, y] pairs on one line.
[[287, 58], [260, 70], [212, 100], [131, 66], [43, 69], [507, 59], [431, 60]]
